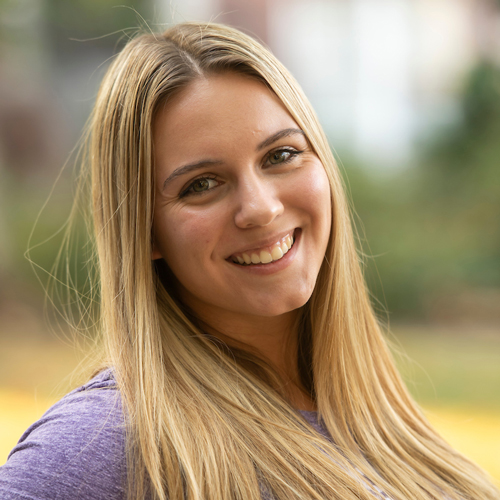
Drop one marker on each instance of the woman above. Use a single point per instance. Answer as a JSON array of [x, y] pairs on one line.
[[241, 341]]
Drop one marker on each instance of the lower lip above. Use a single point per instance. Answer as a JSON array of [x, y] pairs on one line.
[[276, 265]]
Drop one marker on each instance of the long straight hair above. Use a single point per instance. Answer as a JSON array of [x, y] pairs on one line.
[[209, 422]]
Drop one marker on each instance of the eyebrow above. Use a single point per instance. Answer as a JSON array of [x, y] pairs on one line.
[[287, 132], [204, 163]]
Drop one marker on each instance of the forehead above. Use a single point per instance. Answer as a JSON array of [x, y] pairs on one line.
[[220, 113]]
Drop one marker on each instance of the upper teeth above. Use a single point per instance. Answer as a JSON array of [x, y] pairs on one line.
[[266, 255]]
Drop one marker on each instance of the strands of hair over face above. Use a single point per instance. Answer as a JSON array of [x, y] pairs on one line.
[[206, 422]]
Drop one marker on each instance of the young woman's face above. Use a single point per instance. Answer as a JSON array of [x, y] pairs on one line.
[[237, 185]]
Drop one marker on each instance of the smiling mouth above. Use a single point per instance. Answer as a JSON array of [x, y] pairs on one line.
[[265, 255]]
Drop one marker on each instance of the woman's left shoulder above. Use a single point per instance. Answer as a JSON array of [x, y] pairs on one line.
[[75, 450]]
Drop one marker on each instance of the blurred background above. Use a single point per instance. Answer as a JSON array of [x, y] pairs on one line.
[[408, 92]]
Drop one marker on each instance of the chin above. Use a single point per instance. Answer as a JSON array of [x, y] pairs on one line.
[[273, 308]]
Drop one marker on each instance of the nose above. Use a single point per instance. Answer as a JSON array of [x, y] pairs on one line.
[[258, 202]]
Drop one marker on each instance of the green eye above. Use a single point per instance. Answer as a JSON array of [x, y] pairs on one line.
[[200, 185], [279, 157]]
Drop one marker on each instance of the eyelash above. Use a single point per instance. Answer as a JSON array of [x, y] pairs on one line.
[[292, 152], [188, 190]]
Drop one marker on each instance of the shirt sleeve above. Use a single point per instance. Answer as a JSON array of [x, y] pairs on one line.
[[75, 451]]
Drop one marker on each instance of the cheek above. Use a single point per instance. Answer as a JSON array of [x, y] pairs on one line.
[[184, 235], [313, 193]]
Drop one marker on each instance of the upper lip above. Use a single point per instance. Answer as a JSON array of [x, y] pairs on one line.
[[257, 245]]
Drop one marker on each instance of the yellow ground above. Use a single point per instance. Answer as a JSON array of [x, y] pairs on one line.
[[18, 410], [475, 434]]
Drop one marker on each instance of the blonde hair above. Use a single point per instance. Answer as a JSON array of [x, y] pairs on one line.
[[206, 421]]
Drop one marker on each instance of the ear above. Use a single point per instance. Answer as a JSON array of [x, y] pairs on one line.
[[155, 253]]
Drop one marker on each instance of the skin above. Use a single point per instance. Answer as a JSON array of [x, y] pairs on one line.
[[226, 183]]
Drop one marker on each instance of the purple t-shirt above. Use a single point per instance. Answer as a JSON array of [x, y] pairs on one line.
[[77, 449]]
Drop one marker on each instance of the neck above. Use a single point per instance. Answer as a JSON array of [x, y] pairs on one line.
[[274, 339]]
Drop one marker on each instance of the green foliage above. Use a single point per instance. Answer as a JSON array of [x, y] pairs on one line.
[[462, 182], [99, 22], [435, 228], [450, 368], [49, 256]]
